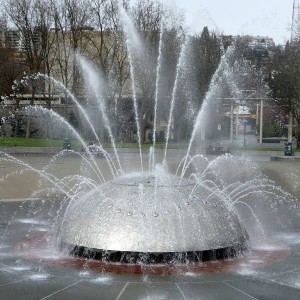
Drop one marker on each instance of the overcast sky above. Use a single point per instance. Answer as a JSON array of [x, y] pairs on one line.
[[271, 18]]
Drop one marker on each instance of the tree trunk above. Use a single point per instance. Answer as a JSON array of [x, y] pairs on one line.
[[28, 127], [143, 128], [298, 139]]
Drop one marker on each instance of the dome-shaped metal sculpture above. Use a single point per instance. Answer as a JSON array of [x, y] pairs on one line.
[[139, 214]]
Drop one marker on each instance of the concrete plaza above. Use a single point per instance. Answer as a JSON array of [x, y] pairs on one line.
[[23, 279]]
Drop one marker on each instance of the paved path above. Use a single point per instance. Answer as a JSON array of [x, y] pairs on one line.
[[23, 279]]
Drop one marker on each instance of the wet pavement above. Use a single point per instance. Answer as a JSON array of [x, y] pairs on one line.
[[23, 278]]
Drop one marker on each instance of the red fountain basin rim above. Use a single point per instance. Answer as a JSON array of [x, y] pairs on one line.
[[36, 248]]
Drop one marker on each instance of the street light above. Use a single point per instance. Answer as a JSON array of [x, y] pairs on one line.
[[245, 122]]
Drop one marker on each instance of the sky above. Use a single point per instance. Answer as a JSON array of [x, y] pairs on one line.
[[272, 18]]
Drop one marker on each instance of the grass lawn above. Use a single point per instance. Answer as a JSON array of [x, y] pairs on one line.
[[29, 142], [33, 142]]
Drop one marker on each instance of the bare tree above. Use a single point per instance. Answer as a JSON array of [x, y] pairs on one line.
[[32, 20], [44, 23], [107, 44], [70, 19], [32, 26], [149, 17]]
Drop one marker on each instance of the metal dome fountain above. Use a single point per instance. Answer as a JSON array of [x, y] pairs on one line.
[[145, 217], [151, 218]]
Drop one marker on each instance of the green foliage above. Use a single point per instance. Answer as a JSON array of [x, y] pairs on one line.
[[274, 130], [29, 142], [73, 120], [284, 80], [17, 124]]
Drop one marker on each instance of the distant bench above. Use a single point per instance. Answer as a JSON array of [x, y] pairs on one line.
[[273, 140]]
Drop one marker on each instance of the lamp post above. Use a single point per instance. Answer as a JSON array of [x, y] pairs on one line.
[[261, 117], [245, 122]]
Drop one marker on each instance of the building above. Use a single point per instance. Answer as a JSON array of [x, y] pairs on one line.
[[260, 41], [15, 40]]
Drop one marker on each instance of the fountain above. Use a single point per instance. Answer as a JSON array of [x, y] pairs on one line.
[[180, 223], [187, 212], [146, 217]]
